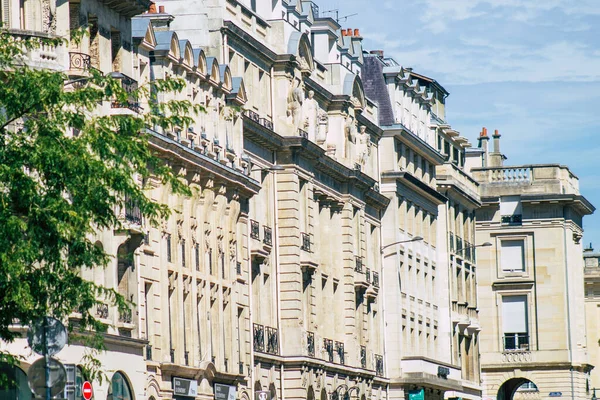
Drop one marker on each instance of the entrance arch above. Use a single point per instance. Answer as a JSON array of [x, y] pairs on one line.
[[516, 389]]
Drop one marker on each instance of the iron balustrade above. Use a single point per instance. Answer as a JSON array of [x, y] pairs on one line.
[[267, 235], [130, 86], [451, 241], [79, 61], [305, 242], [253, 116], [133, 213], [149, 352], [378, 365], [468, 251], [516, 341], [339, 349], [328, 345], [259, 338], [102, 311], [302, 133], [241, 368], [310, 343], [272, 340], [358, 264], [515, 219], [238, 268], [169, 256], [368, 275], [254, 229], [266, 123], [459, 246], [125, 316], [363, 357], [172, 353], [376, 279]]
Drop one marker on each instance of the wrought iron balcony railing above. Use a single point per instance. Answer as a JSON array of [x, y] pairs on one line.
[[102, 311], [172, 353], [241, 368], [272, 340], [378, 365], [363, 357], [358, 264], [328, 346], [133, 213], [310, 343], [125, 316], [459, 246], [266, 123], [451, 241], [339, 349], [238, 268], [305, 246], [254, 229], [515, 219], [130, 86], [267, 235], [376, 279], [368, 275], [259, 338], [79, 61], [149, 352], [253, 116], [302, 133]]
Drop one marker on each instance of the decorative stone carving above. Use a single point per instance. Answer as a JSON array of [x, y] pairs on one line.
[[310, 112], [362, 146], [294, 108], [48, 16], [323, 126]]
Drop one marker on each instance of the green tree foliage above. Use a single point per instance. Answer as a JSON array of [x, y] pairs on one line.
[[57, 189]]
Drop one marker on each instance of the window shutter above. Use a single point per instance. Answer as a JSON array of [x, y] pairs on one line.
[[514, 314], [512, 255], [5, 12]]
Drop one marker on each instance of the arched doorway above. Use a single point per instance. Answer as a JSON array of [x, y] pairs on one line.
[[119, 388], [517, 388], [16, 388]]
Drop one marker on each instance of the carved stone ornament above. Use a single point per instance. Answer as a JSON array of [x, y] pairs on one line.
[[49, 16], [180, 228]]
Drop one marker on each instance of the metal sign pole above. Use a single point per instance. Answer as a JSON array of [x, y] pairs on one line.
[[46, 358]]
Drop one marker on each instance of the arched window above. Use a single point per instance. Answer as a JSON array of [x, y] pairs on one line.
[[16, 388], [119, 388]]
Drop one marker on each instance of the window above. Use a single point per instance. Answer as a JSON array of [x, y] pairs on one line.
[[514, 322], [119, 388], [510, 209], [512, 255]]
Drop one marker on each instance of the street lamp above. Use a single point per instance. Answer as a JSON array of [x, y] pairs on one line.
[[484, 244], [414, 239], [274, 168]]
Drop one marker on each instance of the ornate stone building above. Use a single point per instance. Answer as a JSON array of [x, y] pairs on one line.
[[531, 277], [427, 353]]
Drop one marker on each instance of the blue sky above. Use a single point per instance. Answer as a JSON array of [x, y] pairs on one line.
[[529, 68]]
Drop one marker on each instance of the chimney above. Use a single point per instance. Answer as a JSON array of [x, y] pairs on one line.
[[483, 144], [343, 32], [356, 32], [349, 32], [152, 9], [161, 9], [496, 141], [378, 53]]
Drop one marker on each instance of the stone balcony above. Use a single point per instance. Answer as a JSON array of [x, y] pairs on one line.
[[450, 176], [526, 179], [44, 57]]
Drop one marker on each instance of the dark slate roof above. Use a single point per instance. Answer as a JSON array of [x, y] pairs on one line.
[[139, 27], [376, 89]]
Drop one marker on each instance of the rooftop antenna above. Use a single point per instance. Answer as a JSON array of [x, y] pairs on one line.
[[337, 18]]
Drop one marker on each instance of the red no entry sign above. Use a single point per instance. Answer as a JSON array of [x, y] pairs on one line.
[[87, 391]]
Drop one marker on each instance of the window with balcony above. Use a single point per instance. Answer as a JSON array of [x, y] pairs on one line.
[[512, 255], [514, 322]]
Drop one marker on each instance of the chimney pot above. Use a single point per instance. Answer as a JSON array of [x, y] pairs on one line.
[[349, 32], [161, 9], [484, 132], [356, 32], [496, 134], [152, 9], [343, 32], [378, 53]]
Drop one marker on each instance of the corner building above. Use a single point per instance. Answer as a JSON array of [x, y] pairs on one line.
[[531, 278]]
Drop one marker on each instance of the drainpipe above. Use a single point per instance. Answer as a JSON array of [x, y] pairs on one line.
[[568, 303], [250, 298], [278, 280]]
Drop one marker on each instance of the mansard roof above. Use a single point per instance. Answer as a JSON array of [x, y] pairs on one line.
[[186, 53], [238, 91], [167, 41], [225, 74], [213, 71]]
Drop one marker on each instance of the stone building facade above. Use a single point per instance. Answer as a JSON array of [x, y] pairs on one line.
[[591, 263], [329, 248], [531, 300]]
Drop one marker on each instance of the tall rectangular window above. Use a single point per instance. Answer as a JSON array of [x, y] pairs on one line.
[[512, 255], [514, 322]]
